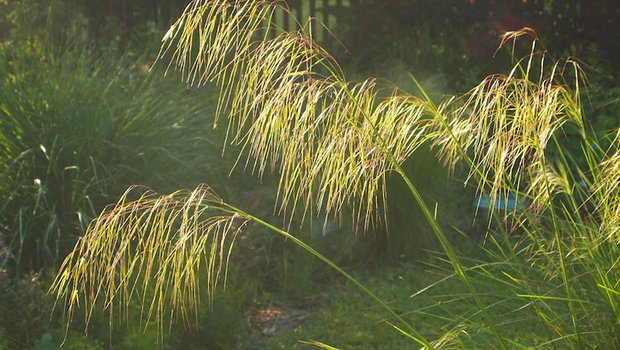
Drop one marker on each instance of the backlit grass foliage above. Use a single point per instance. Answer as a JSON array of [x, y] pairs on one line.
[[334, 141]]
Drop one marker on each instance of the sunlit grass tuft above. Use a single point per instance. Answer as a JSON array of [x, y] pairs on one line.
[[154, 248], [506, 123], [290, 107]]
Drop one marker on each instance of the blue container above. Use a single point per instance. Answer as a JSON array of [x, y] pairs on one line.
[[507, 202]]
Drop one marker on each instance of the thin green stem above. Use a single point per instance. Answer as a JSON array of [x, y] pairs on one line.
[[414, 334], [556, 235], [445, 244], [447, 247]]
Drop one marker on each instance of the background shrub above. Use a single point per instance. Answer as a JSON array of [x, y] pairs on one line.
[[76, 129]]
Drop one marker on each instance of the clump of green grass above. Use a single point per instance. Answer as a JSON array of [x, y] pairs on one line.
[[75, 130], [508, 132]]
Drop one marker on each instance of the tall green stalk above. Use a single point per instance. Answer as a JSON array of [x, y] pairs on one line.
[[410, 329]]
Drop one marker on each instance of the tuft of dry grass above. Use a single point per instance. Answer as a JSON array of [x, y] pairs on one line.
[[504, 126], [607, 193], [289, 105], [151, 248]]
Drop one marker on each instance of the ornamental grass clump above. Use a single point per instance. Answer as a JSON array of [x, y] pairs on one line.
[[75, 130], [333, 142]]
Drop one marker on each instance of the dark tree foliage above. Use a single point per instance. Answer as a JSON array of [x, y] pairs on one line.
[[126, 14], [473, 27]]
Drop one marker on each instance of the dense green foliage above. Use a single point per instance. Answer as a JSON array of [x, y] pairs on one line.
[[75, 131], [453, 37]]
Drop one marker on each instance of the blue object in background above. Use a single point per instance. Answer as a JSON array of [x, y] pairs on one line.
[[508, 202]]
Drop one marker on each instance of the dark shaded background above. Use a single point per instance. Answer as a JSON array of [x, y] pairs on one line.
[[369, 27]]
